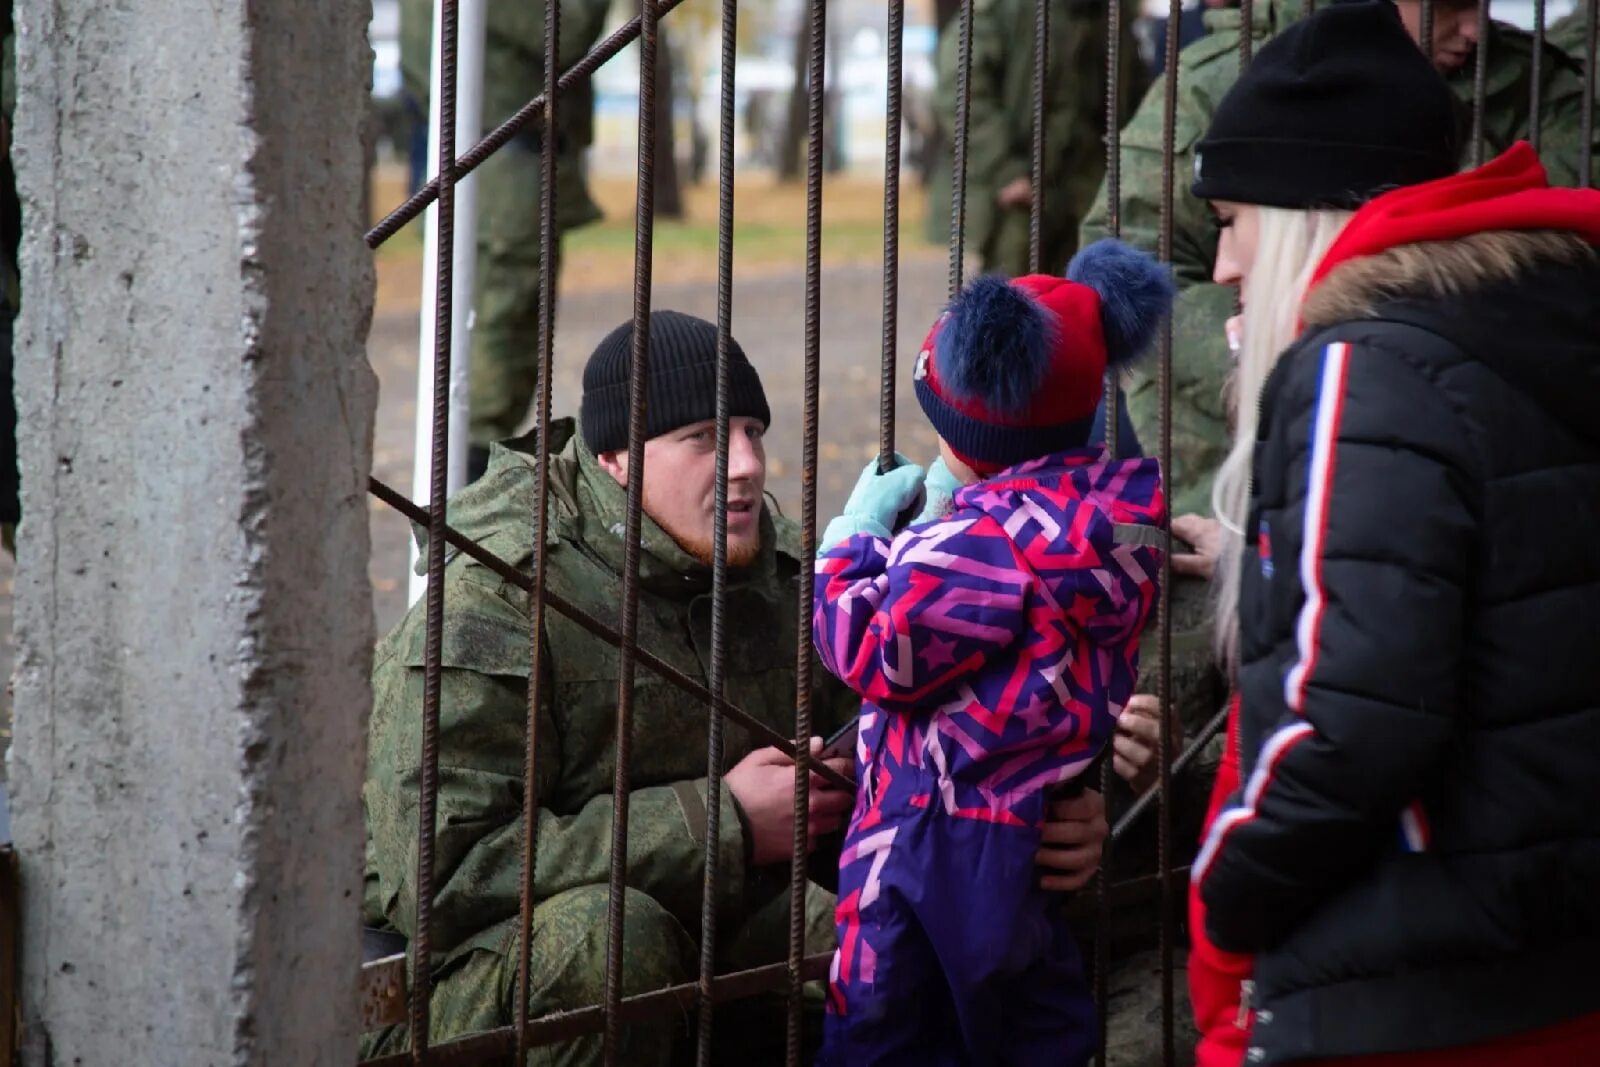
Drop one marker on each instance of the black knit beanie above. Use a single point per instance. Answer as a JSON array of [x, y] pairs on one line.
[[1336, 109], [682, 385]]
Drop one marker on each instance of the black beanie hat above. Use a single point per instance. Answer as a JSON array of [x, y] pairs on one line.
[[1336, 109], [682, 381]]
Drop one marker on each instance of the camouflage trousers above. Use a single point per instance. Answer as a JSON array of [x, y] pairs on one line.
[[475, 992], [506, 308]]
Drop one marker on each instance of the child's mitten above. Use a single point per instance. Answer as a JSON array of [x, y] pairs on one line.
[[941, 487], [876, 503]]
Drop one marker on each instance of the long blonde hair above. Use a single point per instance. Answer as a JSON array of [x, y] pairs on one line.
[[1289, 246]]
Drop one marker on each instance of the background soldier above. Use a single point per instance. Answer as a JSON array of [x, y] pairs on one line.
[[1207, 69], [505, 332], [1000, 128]]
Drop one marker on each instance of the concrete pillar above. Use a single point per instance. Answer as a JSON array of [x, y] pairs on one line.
[[193, 611]]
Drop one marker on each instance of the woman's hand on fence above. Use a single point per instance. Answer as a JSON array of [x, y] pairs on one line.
[[1136, 746], [1071, 842], [1205, 535]]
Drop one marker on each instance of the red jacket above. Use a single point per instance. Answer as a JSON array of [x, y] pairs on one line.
[[1216, 977]]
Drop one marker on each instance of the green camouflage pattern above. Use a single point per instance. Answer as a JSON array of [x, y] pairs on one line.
[[1000, 126], [483, 717], [1206, 70], [567, 966], [1567, 34], [505, 336]]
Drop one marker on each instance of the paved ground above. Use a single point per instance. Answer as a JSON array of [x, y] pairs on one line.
[[768, 321]]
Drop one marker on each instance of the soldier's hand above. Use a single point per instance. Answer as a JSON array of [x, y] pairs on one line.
[[1206, 535], [1136, 746], [1017, 193], [1074, 835], [763, 785]]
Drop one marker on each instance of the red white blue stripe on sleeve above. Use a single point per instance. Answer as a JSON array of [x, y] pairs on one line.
[[1319, 494], [1308, 630]]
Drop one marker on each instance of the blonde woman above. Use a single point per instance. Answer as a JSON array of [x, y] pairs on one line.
[[1408, 875]]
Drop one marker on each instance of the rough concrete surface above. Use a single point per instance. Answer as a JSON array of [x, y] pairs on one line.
[[193, 626]]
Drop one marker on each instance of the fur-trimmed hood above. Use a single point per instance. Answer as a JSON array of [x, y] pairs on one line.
[[1495, 260], [1438, 270], [1526, 303]]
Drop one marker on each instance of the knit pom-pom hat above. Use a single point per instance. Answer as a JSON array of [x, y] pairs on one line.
[[1014, 370]]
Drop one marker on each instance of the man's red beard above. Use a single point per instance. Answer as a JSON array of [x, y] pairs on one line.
[[740, 553]]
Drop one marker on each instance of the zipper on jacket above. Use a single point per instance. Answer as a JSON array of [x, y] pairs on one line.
[[1247, 992]]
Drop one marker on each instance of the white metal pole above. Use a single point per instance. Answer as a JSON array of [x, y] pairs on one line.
[[471, 30]]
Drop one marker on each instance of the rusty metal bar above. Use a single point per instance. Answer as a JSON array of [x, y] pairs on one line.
[[541, 513], [433, 643], [1536, 92], [1142, 804], [1427, 28], [1113, 135], [1247, 41], [1480, 83], [528, 115], [958, 158], [1112, 403], [1163, 607], [495, 1045], [891, 234], [564, 607], [719, 538], [1591, 39], [1041, 75], [639, 377], [804, 654]]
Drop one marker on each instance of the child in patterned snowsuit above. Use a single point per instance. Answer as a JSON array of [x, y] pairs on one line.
[[993, 641]]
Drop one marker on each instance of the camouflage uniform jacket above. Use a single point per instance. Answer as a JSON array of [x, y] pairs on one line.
[[1000, 122], [1206, 70], [1567, 34], [513, 74], [483, 710]]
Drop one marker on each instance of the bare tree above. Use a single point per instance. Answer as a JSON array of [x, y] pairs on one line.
[[790, 152], [668, 186]]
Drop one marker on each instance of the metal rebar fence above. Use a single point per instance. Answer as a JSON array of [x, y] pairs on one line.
[[386, 985]]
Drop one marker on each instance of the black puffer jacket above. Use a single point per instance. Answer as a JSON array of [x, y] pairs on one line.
[[1416, 854]]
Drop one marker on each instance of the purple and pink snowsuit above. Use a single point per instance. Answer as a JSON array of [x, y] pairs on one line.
[[993, 650]]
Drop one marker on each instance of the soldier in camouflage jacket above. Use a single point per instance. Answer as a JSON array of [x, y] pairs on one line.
[[483, 712], [1206, 70]]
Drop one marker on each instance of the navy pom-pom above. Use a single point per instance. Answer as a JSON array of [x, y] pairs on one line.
[[1136, 293], [995, 346]]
